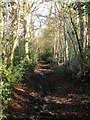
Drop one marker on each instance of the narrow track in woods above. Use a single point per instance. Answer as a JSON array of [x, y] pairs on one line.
[[40, 97]]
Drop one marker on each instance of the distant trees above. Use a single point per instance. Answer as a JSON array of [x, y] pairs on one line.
[[70, 23]]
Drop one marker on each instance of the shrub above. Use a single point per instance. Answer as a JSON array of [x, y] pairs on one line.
[[46, 56], [10, 77]]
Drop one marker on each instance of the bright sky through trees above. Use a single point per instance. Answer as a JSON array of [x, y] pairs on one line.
[[43, 6]]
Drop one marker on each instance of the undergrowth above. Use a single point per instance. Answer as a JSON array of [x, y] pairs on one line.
[[11, 77]]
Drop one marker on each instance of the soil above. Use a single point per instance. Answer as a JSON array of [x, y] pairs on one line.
[[42, 97]]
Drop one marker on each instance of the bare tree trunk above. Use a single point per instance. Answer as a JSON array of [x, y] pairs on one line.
[[88, 27], [89, 33], [27, 26], [65, 58], [71, 39], [79, 46], [88, 21], [80, 12]]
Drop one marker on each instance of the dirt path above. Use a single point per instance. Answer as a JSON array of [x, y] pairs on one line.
[[31, 101]]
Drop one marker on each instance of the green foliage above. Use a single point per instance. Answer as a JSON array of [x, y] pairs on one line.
[[84, 76], [17, 57], [10, 78], [48, 33], [33, 56], [47, 56], [86, 54], [19, 53]]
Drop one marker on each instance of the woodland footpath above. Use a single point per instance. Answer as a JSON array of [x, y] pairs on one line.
[[44, 59]]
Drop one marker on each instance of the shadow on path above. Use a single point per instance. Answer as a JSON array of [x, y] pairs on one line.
[[32, 102]]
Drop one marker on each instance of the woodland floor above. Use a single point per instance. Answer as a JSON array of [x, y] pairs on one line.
[[37, 100]]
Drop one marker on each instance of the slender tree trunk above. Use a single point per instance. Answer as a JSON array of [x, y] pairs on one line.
[[55, 39], [88, 27], [1, 37], [1, 28], [27, 32], [80, 12], [25, 5], [72, 41], [87, 6], [88, 21], [65, 47], [79, 46], [16, 22]]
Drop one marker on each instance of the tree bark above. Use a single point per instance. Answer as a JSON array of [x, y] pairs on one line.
[[16, 23], [80, 13], [77, 38], [88, 29], [1, 28]]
